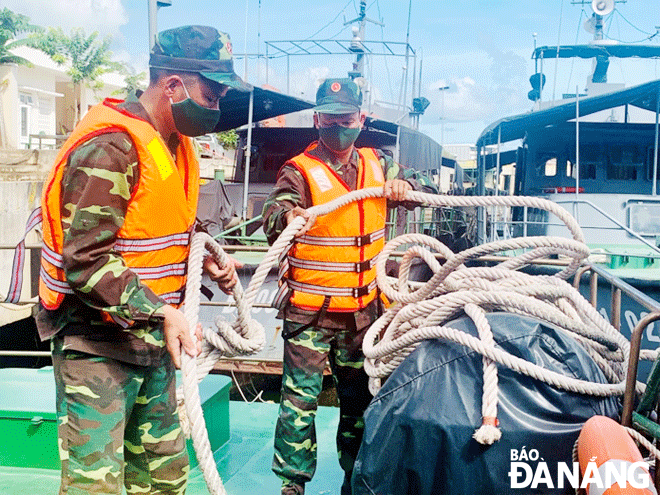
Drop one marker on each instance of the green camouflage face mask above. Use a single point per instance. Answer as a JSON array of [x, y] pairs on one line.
[[192, 119], [338, 138]]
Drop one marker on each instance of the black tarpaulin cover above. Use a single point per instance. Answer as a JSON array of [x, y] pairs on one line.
[[418, 428]]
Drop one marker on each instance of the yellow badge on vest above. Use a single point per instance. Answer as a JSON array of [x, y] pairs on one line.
[[160, 156]]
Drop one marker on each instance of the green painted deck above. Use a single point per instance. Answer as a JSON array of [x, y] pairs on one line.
[[27, 406]]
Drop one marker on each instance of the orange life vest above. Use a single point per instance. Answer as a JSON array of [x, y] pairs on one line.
[[336, 257], [154, 240]]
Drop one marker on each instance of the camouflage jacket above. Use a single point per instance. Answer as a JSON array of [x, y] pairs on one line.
[[99, 180], [292, 190]]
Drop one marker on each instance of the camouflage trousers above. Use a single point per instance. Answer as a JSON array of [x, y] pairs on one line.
[[304, 360], [117, 426]]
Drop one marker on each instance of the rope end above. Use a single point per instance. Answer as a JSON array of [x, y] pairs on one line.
[[488, 433], [374, 385]]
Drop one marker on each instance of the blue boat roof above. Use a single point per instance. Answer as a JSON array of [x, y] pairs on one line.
[[514, 127], [597, 50]]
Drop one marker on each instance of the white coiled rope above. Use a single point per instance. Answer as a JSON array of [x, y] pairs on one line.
[[454, 290], [420, 310]]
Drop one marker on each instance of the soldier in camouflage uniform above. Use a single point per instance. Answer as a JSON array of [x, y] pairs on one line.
[[313, 337], [116, 405]]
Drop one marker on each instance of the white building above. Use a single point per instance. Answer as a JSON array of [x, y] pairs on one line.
[[40, 100]]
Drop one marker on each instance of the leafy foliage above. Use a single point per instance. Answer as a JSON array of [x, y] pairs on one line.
[[134, 81], [88, 56], [228, 139], [11, 26]]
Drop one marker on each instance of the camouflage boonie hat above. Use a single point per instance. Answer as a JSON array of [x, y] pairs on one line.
[[200, 49], [338, 96]]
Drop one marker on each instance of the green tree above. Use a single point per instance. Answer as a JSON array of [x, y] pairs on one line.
[[228, 139], [134, 81], [87, 57], [11, 26]]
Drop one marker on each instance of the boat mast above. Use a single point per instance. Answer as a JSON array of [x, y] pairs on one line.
[[601, 8], [154, 5]]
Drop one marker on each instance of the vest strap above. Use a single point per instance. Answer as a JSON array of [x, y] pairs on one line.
[[54, 284], [150, 273], [333, 266], [144, 245], [52, 257], [173, 297], [353, 292], [358, 241]]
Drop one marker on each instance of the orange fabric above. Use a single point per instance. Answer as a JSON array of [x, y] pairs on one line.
[[164, 202], [353, 220]]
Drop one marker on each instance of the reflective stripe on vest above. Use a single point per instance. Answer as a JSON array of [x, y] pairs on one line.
[[336, 256], [54, 284], [144, 245], [353, 292], [333, 266], [154, 240], [342, 241]]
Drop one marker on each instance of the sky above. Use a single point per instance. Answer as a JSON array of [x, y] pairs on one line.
[[480, 49]]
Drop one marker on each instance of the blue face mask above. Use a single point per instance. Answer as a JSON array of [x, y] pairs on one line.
[[339, 138], [192, 119]]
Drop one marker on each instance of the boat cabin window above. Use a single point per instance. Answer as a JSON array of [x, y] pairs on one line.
[[590, 160], [559, 167], [548, 167], [623, 162]]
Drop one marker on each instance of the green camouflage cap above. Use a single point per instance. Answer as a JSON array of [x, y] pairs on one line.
[[200, 49], [338, 96]]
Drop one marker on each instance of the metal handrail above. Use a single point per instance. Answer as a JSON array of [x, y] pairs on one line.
[[620, 287], [633, 364], [618, 225], [611, 219], [237, 227], [638, 296]]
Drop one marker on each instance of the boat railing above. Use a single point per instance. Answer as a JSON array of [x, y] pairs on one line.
[[609, 217], [439, 222], [619, 289], [503, 222]]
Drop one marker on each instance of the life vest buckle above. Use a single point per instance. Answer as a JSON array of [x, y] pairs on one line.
[[363, 240], [361, 291], [363, 266]]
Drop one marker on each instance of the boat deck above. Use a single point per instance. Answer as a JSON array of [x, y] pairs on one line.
[[243, 462]]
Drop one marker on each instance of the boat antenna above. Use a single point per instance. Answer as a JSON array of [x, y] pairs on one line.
[[245, 73], [404, 83], [554, 79], [594, 25]]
